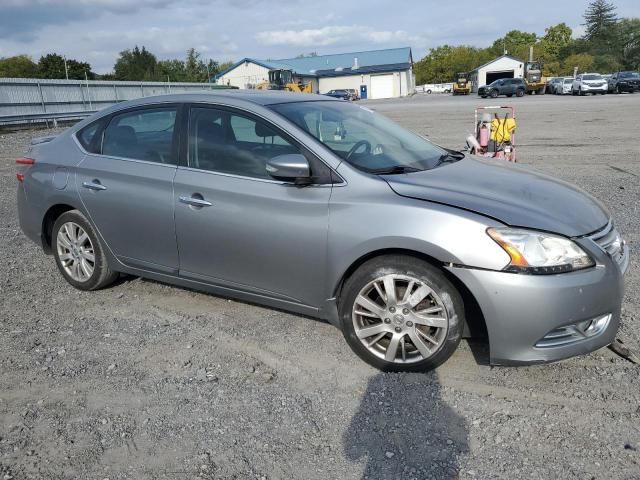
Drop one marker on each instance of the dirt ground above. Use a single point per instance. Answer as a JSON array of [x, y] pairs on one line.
[[148, 381]]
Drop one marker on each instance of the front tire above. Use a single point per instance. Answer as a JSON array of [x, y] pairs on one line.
[[79, 254], [399, 313]]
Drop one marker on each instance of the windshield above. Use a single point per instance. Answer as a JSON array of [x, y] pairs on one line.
[[365, 139], [591, 77], [629, 75], [568, 80]]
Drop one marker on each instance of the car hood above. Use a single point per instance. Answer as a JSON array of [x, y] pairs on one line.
[[511, 194]]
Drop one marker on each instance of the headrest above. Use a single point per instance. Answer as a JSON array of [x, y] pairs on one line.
[[211, 132], [124, 134], [263, 130]]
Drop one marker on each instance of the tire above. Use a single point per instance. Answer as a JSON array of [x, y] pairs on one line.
[[88, 275], [520, 93], [618, 90], [429, 92], [493, 94], [401, 326], [580, 92], [483, 96], [573, 92]]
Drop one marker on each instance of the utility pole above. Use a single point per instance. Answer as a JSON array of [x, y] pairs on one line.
[[66, 69], [86, 79]]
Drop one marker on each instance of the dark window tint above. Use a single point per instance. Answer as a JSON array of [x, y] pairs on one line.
[[87, 137], [142, 135], [228, 142]]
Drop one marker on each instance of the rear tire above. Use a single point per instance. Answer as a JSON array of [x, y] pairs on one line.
[[415, 331], [493, 94], [520, 93], [79, 254]]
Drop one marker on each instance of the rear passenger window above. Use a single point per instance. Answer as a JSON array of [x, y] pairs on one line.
[[226, 142], [142, 135]]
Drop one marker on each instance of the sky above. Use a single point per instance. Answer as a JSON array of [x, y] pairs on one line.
[[97, 30]]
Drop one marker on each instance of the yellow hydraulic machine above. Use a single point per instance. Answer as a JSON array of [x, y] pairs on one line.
[[462, 86]]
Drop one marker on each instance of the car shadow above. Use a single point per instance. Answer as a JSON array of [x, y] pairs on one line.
[[403, 429]]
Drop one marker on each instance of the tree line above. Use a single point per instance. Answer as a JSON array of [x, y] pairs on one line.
[[609, 44], [137, 64]]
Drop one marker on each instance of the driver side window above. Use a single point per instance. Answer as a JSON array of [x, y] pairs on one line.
[[230, 142]]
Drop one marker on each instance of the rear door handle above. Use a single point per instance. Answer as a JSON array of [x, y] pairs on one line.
[[94, 185], [195, 201]]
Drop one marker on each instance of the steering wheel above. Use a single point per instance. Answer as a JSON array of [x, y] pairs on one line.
[[357, 146]]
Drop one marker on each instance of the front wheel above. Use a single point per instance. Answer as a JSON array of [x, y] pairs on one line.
[[493, 94], [399, 313], [79, 254]]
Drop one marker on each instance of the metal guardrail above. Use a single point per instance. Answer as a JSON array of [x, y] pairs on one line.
[[29, 100], [39, 117]]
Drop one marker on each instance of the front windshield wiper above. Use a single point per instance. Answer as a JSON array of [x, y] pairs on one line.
[[449, 156], [396, 169]]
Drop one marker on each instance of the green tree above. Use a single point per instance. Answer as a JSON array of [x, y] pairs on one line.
[[19, 66], [583, 61], [556, 38], [516, 43], [136, 64], [629, 43], [52, 66], [442, 63], [600, 19]]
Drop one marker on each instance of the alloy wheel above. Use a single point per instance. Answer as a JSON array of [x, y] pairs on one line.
[[75, 252], [400, 319]]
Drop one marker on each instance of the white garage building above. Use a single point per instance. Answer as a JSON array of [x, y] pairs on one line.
[[505, 66], [373, 74]]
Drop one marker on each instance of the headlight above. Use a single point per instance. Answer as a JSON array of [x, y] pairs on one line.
[[538, 252]]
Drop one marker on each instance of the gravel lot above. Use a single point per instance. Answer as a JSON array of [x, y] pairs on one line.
[[148, 381]]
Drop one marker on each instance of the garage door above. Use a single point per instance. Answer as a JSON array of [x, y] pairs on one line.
[[382, 86]]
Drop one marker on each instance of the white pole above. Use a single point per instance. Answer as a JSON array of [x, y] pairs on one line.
[[86, 79], [66, 69]]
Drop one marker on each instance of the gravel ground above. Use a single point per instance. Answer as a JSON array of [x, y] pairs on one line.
[[149, 381]]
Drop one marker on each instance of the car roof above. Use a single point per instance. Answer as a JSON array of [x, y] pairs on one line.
[[259, 97]]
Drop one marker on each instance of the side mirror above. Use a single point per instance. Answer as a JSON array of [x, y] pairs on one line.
[[293, 166]]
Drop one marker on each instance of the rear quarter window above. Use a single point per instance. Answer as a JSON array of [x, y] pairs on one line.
[[88, 137]]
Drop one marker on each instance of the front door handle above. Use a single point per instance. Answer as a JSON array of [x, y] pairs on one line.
[[94, 185], [195, 201]]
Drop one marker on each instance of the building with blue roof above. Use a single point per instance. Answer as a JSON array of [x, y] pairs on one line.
[[384, 73]]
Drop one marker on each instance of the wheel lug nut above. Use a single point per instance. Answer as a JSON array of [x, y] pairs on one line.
[[387, 320], [392, 309], [398, 329], [409, 324], [405, 310]]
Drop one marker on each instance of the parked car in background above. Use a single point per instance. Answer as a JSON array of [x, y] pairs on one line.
[[342, 94], [504, 86], [592, 83], [353, 93], [268, 198], [552, 84], [624, 82], [564, 88]]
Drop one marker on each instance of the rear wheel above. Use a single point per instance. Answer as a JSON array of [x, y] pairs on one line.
[[79, 254], [399, 313], [493, 94], [520, 93]]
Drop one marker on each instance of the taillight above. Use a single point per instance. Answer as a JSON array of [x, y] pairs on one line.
[[26, 162]]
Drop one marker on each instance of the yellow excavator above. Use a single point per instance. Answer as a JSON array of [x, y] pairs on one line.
[[533, 77], [461, 86], [283, 80]]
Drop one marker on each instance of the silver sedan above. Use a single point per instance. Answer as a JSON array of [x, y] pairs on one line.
[[327, 209]]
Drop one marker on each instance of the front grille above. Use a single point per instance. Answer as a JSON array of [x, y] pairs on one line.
[[611, 242]]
